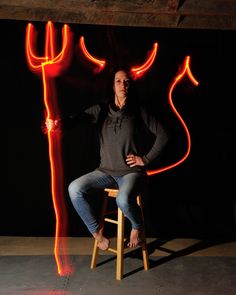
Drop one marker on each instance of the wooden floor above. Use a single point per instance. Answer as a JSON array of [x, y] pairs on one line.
[[83, 246]]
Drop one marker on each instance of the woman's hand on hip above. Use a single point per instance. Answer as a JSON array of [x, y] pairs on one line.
[[133, 160]]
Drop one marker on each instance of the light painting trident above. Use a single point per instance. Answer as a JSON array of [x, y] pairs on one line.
[[49, 66]]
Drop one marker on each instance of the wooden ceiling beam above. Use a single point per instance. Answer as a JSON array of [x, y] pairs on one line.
[[173, 5], [212, 14]]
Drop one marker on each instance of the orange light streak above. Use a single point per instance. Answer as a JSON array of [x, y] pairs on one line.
[[51, 66], [49, 44], [100, 63], [185, 71], [138, 72], [34, 61]]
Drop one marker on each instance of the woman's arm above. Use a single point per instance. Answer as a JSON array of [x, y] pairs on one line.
[[161, 136], [88, 115]]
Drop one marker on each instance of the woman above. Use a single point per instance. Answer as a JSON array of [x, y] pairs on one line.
[[123, 157]]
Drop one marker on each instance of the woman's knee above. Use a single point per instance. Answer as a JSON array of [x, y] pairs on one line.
[[74, 189], [122, 202]]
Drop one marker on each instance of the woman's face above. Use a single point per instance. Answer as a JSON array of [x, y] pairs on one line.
[[121, 84]]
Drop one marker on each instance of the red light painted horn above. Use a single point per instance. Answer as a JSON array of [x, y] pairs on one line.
[[138, 72], [100, 63]]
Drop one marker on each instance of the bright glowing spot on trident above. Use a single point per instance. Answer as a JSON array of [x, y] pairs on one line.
[[49, 66], [185, 71]]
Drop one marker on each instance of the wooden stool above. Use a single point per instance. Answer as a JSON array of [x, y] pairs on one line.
[[119, 251]]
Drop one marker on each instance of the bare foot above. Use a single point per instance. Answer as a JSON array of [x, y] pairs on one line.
[[103, 242], [136, 238]]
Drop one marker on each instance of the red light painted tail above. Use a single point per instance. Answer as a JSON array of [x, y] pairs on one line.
[[185, 71]]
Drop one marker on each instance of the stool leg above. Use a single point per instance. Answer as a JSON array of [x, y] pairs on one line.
[[120, 245], [144, 245], [94, 255], [145, 257]]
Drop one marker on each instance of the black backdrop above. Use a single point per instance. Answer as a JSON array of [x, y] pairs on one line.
[[195, 198]]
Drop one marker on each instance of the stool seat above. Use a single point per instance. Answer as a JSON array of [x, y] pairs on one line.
[[120, 222]]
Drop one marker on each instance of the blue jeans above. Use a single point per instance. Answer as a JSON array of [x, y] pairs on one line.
[[130, 185]]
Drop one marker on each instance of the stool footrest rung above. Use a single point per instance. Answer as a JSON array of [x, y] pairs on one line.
[[112, 250], [111, 220]]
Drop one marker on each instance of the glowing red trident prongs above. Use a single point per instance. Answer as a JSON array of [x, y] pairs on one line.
[[185, 71], [50, 66]]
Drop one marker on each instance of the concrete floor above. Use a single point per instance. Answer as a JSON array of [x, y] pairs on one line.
[[177, 266]]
